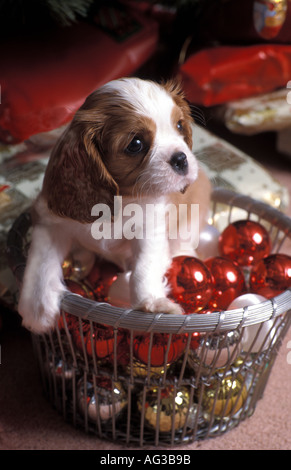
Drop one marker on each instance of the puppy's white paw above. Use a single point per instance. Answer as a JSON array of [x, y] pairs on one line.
[[40, 312], [160, 305]]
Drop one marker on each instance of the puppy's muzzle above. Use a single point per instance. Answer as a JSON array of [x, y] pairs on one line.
[[179, 163]]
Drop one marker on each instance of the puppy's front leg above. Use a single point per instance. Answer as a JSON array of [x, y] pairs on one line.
[[147, 284], [42, 285]]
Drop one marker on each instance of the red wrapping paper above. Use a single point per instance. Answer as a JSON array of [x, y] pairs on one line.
[[43, 83], [222, 74]]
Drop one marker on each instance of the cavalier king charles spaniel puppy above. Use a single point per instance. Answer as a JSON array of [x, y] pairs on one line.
[[131, 138]]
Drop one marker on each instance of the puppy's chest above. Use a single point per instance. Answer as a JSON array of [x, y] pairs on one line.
[[119, 251], [117, 241], [116, 249]]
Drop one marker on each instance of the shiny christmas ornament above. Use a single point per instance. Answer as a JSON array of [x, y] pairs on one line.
[[67, 267], [142, 370], [195, 340], [269, 17], [60, 368], [122, 353], [118, 292], [245, 242], [208, 242], [271, 276], [224, 397], [228, 282], [257, 337], [101, 278], [100, 341], [195, 417], [260, 337], [82, 289], [103, 399], [246, 300], [165, 409], [78, 265], [196, 337], [208, 309], [216, 351], [94, 275], [190, 283], [102, 338], [161, 351]]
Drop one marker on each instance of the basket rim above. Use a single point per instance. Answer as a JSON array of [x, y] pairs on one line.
[[215, 322]]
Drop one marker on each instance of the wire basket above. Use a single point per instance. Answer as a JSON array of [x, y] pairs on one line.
[[206, 382]]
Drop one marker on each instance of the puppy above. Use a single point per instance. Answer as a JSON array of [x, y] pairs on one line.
[[131, 138]]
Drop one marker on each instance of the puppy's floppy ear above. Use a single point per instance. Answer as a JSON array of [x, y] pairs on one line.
[[174, 88], [76, 177]]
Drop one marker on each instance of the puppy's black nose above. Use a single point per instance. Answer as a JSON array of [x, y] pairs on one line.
[[179, 163]]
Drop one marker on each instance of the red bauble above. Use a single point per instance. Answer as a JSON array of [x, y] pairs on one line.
[[228, 280], [271, 276], [80, 288], [190, 282], [245, 242], [103, 274], [94, 275], [141, 344], [122, 349], [195, 340], [102, 336], [100, 341]]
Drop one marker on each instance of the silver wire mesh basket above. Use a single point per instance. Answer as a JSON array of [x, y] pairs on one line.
[[206, 382]]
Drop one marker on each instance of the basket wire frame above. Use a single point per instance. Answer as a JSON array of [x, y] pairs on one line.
[[203, 393]]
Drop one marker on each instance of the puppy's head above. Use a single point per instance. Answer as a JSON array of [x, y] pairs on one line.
[[131, 138]]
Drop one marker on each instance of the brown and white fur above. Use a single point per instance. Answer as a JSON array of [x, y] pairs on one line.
[[131, 138]]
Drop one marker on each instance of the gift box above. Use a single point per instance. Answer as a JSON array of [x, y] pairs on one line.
[[223, 74], [44, 81], [267, 112]]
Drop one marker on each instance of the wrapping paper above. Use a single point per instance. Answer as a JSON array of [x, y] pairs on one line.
[[44, 82], [223, 74], [267, 112]]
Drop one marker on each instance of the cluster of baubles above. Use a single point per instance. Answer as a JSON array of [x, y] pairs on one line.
[[242, 262], [240, 272]]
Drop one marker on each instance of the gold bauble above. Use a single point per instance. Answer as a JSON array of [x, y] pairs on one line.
[[141, 370], [77, 267], [224, 397], [167, 410]]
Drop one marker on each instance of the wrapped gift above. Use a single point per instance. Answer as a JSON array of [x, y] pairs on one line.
[[44, 81], [267, 112], [226, 73]]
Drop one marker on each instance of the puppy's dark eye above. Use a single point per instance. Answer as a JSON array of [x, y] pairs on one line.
[[135, 146], [180, 126]]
